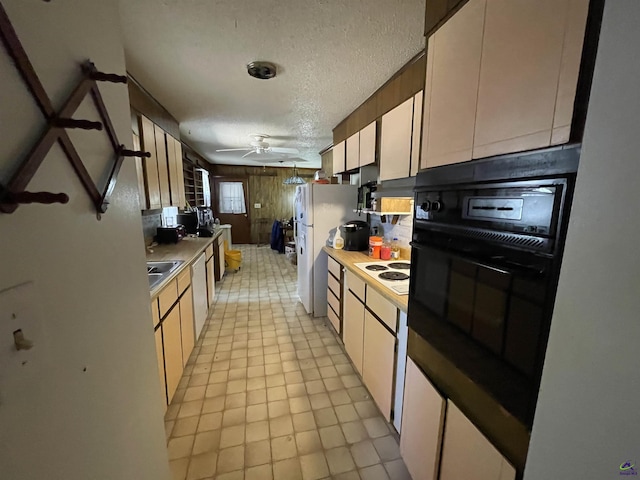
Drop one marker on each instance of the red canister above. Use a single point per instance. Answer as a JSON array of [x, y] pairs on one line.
[[385, 251], [375, 245]]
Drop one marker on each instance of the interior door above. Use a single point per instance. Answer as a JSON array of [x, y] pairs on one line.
[[231, 206]]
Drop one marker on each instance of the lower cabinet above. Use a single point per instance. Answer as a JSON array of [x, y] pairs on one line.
[[187, 329], [160, 358], [378, 361], [218, 255], [422, 422], [466, 453], [353, 329], [211, 279], [172, 343]]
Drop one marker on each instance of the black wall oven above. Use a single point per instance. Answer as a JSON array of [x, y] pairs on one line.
[[486, 251]]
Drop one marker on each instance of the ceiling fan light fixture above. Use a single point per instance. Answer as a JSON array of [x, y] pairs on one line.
[[261, 70]]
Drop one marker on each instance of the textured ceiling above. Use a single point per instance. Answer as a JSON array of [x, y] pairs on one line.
[[331, 56]]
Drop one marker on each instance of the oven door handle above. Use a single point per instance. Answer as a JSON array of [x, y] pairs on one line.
[[521, 268]]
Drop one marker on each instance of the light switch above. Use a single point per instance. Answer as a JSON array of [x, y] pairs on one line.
[[257, 205]]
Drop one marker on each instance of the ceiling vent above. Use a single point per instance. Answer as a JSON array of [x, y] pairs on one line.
[[262, 70]]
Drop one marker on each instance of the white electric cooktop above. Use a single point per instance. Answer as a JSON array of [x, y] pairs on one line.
[[393, 274]]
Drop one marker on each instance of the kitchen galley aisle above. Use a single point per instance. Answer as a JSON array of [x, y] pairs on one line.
[[269, 392]]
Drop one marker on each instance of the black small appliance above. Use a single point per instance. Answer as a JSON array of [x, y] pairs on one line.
[[170, 234], [355, 235], [189, 220], [364, 195]]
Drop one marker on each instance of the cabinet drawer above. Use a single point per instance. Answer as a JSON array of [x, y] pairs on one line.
[[184, 280], [333, 301], [334, 285], [383, 308], [155, 312], [334, 319], [168, 297], [209, 251], [356, 285], [334, 267]]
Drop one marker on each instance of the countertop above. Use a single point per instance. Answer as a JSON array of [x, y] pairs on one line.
[[347, 259], [186, 249]]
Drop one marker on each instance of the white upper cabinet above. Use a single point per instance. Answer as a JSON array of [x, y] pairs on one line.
[[530, 58], [395, 141], [339, 158], [368, 144], [451, 87], [353, 151]]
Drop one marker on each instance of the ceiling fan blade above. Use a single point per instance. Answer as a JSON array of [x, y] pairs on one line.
[[284, 150], [248, 153], [233, 149]]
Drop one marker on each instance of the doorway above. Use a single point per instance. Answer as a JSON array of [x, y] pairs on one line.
[[231, 206]]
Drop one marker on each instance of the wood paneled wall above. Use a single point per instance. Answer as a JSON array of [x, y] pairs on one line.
[[265, 188], [404, 84]]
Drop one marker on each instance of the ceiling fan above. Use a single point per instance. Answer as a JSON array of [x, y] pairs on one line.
[[258, 146]]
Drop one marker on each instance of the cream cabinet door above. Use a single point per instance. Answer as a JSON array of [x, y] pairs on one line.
[[522, 56], [211, 282], [454, 57], [378, 362], [466, 453], [182, 201], [148, 144], [353, 151], [422, 423], [187, 326], [368, 144], [174, 178], [172, 350], [163, 167], [339, 158], [142, 195], [416, 133], [353, 329], [160, 359], [395, 141]]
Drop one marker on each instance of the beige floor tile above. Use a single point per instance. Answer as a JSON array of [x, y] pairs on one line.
[[179, 468], [233, 416], [287, 470], [299, 404], [315, 386], [256, 383], [211, 405], [189, 409], [304, 421], [314, 466], [358, 394], [308, 442], [180, 447], [232, 436], [278, 408], [218, 377], [262, 472], [352, 475], [230, 459], [375, 472], [354, 432], [367, 409], [216, 389], [202, 466], [376, 427], [346, 413], [283, 447], [206, 442], [257, 396], [276, 393], [237, 475], [332, 437], [325, 417], [387, 448], [281, 426], [257, 412], [319, 401], [185, 426], [340, 397], [339, 460], [236, 400], [296, 390], [364, 454], [397, 470], [257, 453], [257, 431]]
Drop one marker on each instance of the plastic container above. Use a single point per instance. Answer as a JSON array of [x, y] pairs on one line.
[[385, 251], [233, 259], [375, 245], [338, 241], [395, 249]]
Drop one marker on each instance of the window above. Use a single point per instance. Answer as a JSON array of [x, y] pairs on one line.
[[231, 198]]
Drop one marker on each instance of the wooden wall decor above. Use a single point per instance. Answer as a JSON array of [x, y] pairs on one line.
[[14, 192]]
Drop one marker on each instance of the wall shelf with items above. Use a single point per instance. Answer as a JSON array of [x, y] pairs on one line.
[[383, 215]]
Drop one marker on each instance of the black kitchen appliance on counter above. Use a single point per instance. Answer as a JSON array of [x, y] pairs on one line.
[[486, 251], [170, 234], [355, 235], [364, 195], [189, 220]]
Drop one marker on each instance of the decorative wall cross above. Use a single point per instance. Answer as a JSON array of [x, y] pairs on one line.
[[14, 192]]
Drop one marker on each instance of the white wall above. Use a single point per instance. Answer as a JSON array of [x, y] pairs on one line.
[[105, 423], [588, 417]]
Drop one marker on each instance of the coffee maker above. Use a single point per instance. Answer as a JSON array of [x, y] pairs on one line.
[[364, 195], [205, 220]]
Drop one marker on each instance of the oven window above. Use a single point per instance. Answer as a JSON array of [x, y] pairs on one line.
[[499, 308]]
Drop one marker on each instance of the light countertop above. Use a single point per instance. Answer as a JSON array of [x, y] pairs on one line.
[[347, 259], [186, 249]]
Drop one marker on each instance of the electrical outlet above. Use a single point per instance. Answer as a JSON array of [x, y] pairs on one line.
[[257, 205]]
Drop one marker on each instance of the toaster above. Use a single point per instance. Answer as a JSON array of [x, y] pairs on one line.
[[170, 234]]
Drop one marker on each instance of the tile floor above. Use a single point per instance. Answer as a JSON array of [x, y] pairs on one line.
[[269, 393]]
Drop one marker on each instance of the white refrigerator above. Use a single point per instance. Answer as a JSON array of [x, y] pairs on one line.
[[319, 209]]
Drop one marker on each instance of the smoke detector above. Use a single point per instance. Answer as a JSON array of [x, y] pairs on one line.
[[262, 70]]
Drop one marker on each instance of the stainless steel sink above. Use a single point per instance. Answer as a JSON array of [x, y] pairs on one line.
[[158, 271]]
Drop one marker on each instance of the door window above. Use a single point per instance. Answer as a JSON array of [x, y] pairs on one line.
[[231, 198]]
